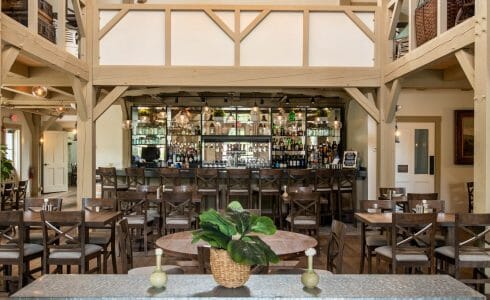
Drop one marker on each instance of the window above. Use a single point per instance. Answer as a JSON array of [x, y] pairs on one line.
[[12, 143]]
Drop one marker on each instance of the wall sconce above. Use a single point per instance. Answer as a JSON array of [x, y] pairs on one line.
[[127, 124], [397, 134], [40, 91], [41, 140]]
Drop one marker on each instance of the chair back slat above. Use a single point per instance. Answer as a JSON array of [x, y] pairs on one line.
[[325, 179], [304, 204], [473, 231], [125, 245], [135, 177], [270, 179], [299, 177], [64, 231], [108, 176], [132, 203], [169, 177], [9, 221], [335, 250]]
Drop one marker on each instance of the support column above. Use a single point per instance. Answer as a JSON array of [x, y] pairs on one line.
[[34, 124], [482, 109]]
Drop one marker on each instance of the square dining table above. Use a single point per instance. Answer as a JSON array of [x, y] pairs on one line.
[[385, 220]]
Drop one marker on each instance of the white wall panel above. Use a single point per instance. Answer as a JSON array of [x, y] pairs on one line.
[[109, 138], [228, 17], [367, 18], [335, 41], [198, 41], [246, 17], [138, 39], [276, 41], [105, 16]]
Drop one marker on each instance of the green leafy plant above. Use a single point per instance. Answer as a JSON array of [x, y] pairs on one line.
[[6, 165], [232, 230], [219, 113]]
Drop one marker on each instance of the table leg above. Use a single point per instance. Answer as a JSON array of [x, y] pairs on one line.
[[363, 247], [113, 247]]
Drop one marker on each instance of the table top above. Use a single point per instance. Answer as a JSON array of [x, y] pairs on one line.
[[258, 286], [384, 219], [283, 243], [92, 219]]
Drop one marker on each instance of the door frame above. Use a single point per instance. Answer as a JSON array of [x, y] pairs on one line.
[[437, 143]]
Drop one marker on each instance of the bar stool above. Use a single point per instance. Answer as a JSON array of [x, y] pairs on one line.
[[299, 177], [325, 185], [187, 176], [110, 186], [169, 177], [270, 185], [238, 184], [207, 182], [20, 193], [135, 177], [346, 186]]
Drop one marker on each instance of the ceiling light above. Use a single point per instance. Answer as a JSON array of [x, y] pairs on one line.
[[206, 107], [255, 108], [60, 109], [40, 91], [397, 134], [230, 119]]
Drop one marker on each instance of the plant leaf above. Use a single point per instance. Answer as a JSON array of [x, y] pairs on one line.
[[264, 225], [241, 220], [271, 256], [213, 237], [235, 206], [246, 253], [213, 217]]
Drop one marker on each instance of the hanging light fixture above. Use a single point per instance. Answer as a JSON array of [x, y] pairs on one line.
[[127, 124], [261, 101], [313, 102], [206, 107], [336, 123], [230, 118], [40, 91], [255, 108]]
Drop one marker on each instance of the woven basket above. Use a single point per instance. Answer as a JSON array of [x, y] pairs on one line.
[[225, 271], [425, 21]]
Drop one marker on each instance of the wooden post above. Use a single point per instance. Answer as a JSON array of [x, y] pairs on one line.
[[386, 130], [482, 109], [86, 126], [34, 124]]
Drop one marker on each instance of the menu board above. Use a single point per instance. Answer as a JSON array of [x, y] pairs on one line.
[[350, 159]]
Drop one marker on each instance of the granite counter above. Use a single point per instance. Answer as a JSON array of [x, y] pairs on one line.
[[258, 286]]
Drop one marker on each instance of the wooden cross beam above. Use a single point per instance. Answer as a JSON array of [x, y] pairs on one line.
[[364, 102], [9, 55], [467, 62], [80, 98], [393, 99], [108, 100]]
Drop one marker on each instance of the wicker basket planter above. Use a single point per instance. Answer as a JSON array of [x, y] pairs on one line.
[[225, 271]]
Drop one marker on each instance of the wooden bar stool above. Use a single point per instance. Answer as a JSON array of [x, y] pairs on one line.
[[110, 185], [135, 177], [169, 177], [207, 184], [238, 184]]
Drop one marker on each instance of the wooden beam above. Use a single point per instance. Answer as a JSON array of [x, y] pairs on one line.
[[19, 69], [33, 17], [79, 16], [395, 17], [217, 20], [80, 98], [364, 102], [367, 31], [467, 62], [447, 43], [9, 55], [107, 27], [28, 118], [15, 102], [48, 123], [393, 96], [254, 23], [434, 79], [318, 77], [108, 100], [236, 39], [168, 37], [306, 38], [61, 26], [39, 76], [38, 48], [23, 93], [453, 73], [60, 91]]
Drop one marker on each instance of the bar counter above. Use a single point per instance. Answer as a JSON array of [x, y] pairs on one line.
[[258, 286]]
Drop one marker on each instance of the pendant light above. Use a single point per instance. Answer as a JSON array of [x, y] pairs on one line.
[[255, 108], [230, 118], [397, 134], [336, 123], [40, 91]]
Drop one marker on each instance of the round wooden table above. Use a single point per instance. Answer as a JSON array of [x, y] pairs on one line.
[[283, 243]]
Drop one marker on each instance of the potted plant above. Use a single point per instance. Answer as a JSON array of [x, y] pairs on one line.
[[219, 115], [233, 248], [6, 164]]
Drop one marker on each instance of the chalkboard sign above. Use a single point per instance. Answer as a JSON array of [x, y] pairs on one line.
[[350, 159]]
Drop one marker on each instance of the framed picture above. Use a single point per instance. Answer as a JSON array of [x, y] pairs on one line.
[[350, 159], [464, 137]]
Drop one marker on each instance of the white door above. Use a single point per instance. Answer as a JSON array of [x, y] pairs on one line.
[[55, 161], [415, 157]]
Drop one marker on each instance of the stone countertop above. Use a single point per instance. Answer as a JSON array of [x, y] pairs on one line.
[[258, 286]]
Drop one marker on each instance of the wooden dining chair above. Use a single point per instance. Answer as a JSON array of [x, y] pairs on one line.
[[13, 250], [104, 235], [325, 182], [109, 183], [346, 193], [187, 176], [178, 209], [64, 241], [238, 185], [126, 254], [375, 236], [169, 177], [408, 248], [135, 177], [155, 209], [299, 177], [304, 212], [335, 248], [422, 196], [7, 196], [470, 250], [21, 193], [207, 183], [134, 207], [34, 233]]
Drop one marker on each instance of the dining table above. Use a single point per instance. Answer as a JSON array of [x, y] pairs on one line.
[[285, 244], [384, 220]]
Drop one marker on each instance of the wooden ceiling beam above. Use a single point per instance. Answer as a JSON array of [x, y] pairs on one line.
[[38, 48], [361, 25], [39, 76], [393, 97], [61, 92], [49, 122], [467, 62], [19, 69], [107, 27], [108, 100], [222, 25], [459, 37], [80, 98], [9, 55], [368, 105], [6, 101]]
